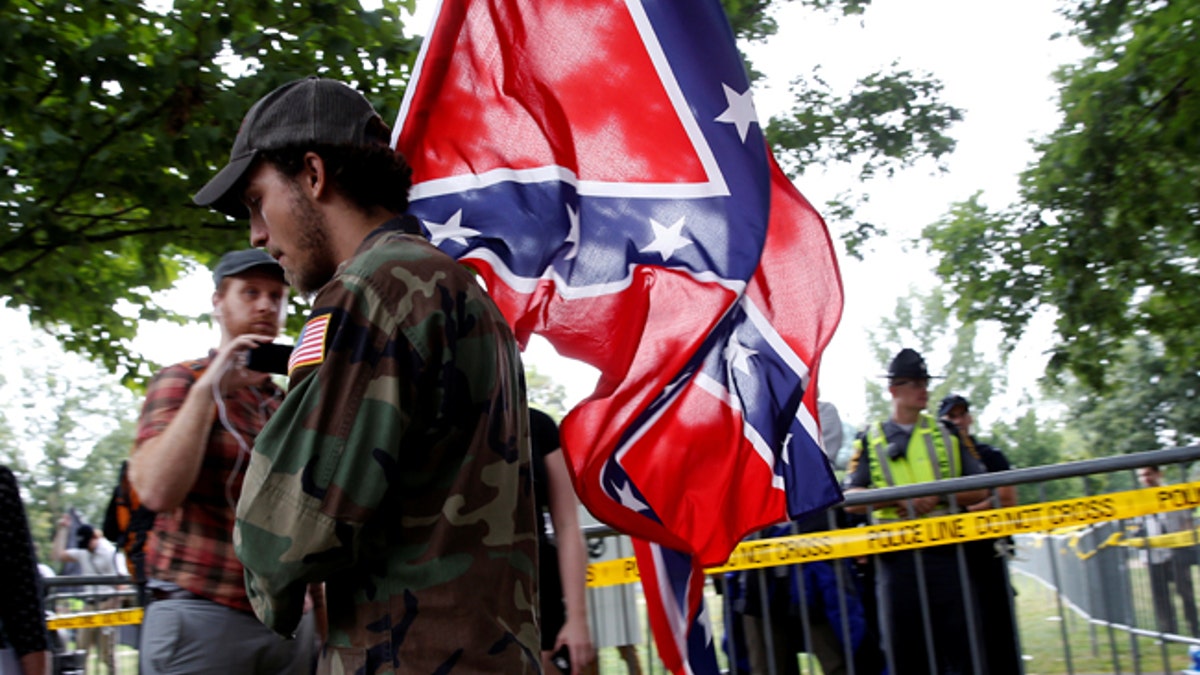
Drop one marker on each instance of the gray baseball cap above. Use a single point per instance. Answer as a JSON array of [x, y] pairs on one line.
[[312, 111], [236, 262]]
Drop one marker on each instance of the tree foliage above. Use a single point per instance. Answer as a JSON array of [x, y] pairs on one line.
[[75, 462], [1106, 230], [66, 428], [1030, 441], [1156, 406], [114, 114], [889, 121]]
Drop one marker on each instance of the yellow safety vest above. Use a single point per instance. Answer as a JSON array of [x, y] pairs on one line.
[[932, 454]]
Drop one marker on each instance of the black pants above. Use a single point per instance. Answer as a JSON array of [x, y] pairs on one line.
[[900, 618], [989, 575], [1174, 570]]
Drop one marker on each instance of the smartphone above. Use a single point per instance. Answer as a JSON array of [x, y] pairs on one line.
[[562, 660], [269, 358]]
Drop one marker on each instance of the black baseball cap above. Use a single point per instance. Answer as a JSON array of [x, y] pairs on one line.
[[951, 402], [311, 111], [908, 364], [236, 262]]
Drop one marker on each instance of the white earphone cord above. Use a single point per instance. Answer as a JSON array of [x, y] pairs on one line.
[[243, 447]]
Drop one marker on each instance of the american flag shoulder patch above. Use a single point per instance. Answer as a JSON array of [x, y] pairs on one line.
[[310, 349]]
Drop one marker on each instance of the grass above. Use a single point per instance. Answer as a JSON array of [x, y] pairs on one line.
[[1091, 648]]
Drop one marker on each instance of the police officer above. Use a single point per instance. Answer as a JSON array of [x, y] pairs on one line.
[[912, 447]]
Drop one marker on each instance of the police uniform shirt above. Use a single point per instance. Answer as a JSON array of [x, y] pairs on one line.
[[858, 474]]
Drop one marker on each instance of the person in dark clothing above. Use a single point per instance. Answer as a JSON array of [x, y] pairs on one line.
[[988, 559], [22, 617]]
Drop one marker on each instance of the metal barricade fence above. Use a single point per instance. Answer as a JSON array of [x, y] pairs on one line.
[[93, 623], [1099, 587]]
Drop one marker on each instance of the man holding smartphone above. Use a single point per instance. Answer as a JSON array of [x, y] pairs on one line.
[[198, 423]]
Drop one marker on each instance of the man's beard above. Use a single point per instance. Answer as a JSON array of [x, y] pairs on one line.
[[312, 264]]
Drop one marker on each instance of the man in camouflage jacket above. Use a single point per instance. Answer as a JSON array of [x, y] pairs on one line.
[[397, 469]]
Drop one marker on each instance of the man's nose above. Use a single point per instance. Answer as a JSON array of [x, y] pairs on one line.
[[269, 305], [258, 233]]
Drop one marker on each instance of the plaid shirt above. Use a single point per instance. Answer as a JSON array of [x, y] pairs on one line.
[[192, 546]]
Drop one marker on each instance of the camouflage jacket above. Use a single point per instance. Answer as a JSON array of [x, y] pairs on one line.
[[397, 471]]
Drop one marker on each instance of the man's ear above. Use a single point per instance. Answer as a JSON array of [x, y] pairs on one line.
[[312, 178]]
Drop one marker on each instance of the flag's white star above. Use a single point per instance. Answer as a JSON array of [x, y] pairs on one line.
[[628, 500], [738, 355], [667, 240], [787, 441], [573, 235], [740, 112], [452, 229]]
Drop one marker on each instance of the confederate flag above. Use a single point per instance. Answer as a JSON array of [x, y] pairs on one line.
[[600, 164]]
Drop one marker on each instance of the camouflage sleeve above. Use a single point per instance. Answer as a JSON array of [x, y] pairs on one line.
[[323, 463]]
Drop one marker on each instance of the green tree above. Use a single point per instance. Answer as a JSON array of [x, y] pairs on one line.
[[75, 470], [98, 474], [1105, 232], [1155, 406], [1028, 441], [115, 113], [889, 121], [66, 427]]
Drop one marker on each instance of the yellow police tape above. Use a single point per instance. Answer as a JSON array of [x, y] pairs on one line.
[[114, 617], [934, 531], [1182, 539]]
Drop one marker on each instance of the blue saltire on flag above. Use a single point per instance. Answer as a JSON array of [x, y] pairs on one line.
[[600, 164]]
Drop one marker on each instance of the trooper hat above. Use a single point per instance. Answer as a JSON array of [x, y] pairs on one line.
[[310, 111], [908, 364], [236, 262], [951, 402]]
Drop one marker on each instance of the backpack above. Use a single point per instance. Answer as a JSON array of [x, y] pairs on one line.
[[128, 524]]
